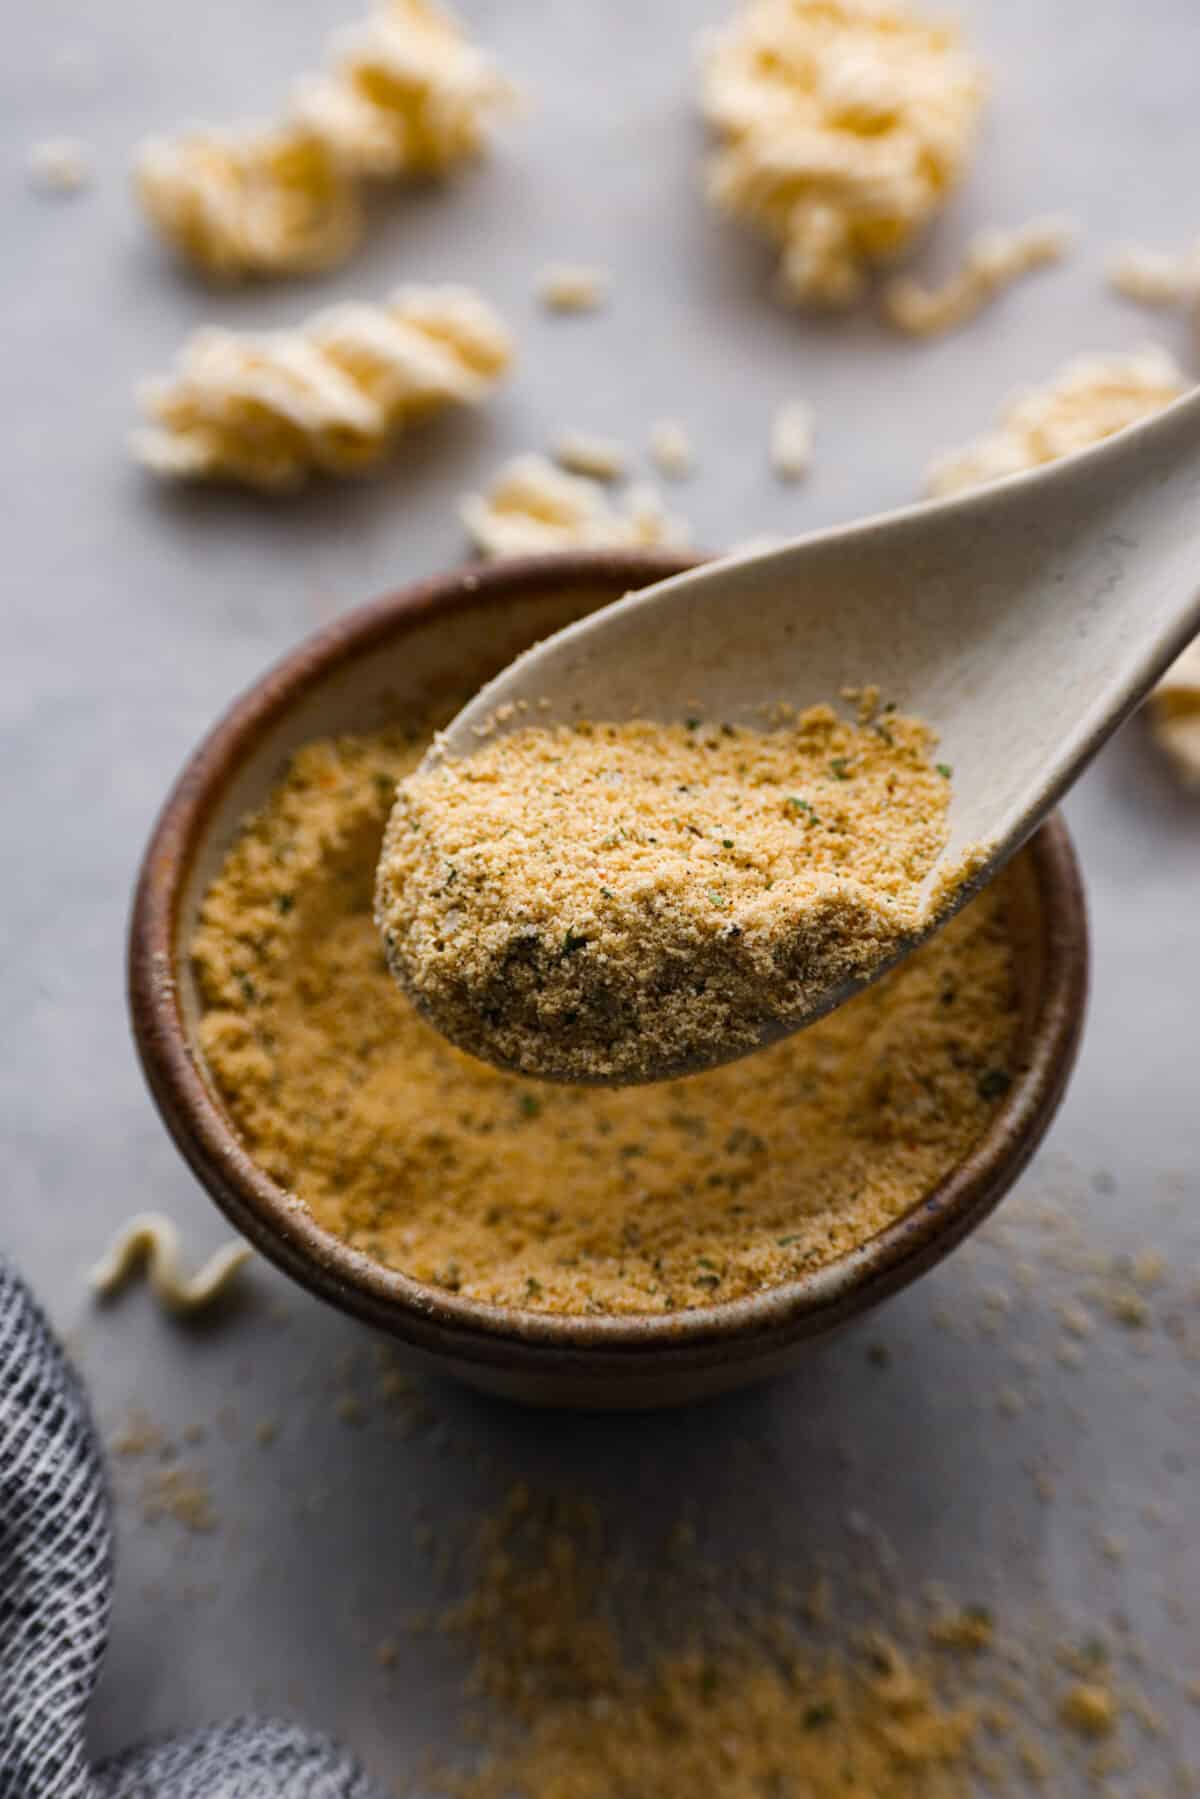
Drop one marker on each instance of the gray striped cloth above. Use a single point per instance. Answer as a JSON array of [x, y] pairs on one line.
[[56, 1580]]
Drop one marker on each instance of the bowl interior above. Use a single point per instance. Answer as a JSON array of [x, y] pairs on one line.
[[435, 645]]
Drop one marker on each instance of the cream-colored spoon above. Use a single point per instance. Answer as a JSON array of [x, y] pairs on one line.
[[1024, 621]]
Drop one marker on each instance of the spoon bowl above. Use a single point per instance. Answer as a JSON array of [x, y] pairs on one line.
[[1023, 621]]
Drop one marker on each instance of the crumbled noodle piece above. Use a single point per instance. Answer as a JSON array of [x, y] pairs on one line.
[[792, 441], [1092, 397], [994, 261], [603, 902], [1175, 714], [571, 287], [152, 1240], [408, 93], [671, 449], [1089, 399], [532, 507], [332, 395], [60, 165], [267, 200], [599, 458], [844, 126]]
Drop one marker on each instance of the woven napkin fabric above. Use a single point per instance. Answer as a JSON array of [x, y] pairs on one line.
[[56, 1580]]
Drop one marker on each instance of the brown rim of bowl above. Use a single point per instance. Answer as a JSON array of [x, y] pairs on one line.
[[429, 1317]]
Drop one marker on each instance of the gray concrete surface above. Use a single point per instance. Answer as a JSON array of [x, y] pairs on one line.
[[130, 619]]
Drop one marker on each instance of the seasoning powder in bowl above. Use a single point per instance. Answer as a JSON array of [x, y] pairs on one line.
[[568, 1200]]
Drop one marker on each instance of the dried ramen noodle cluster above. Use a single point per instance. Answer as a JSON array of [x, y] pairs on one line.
[[844, 126], [1090, 399], [407, 94], [331, 395]]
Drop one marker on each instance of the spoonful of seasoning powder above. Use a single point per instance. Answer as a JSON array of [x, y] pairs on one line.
[[650, 894], [617, 903]]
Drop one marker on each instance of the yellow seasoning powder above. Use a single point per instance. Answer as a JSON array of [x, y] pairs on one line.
[[568, 1199], [610, 902]]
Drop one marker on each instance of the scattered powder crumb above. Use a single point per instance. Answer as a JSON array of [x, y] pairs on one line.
[[792, 441], [345, 1096], [671, 450], [350, 1410], [994, 261], [972, 1629], [387, 1654], [138, 1436], [266, 1431], [606, 901], [573, 287], [843, 128], [1089, 1709], [600, 458], [533, 507], [180, 1494], [60, 165], [331, 396], [152, 1239]]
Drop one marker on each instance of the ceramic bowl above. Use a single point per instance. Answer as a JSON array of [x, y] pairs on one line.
[[357, 674]]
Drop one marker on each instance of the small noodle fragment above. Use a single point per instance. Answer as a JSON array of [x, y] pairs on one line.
[[599, 458], [59, 165], [1157, 277], [993, 262], [532, 507], [151, 1239], [1175, 715], [844, 125], [671, 449], [572, 287], [332, 395], [792, 441]]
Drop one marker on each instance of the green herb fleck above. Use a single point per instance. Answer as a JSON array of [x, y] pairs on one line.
[[531, 1105], [708, 1280], [574, 940], [993, 1083], [693, 724], [944, 769], [727, 843], [839, 768], [532, 1287], [285, 902], [718, 899], [816, 1715], [800, 805]]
